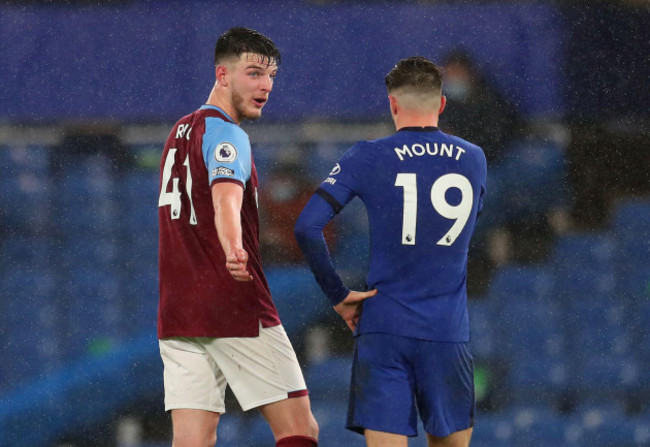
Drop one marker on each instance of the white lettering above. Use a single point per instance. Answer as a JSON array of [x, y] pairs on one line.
[[419, 149], [330, 180], [404, 150], [180, 130]]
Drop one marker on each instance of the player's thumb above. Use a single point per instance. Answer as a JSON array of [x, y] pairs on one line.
[[360, 296], [369, 293]]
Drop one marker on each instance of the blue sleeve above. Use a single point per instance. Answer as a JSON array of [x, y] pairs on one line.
[[226, 151], [346, 178], [334, 193], [321, 208]]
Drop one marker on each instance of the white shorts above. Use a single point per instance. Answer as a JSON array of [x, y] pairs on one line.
[[260, 370]]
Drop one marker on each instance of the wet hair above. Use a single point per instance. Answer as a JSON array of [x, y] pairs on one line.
[[239, 40], [416, 73]]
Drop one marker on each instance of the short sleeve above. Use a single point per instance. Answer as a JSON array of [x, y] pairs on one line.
[[226, 151], [343, 181]]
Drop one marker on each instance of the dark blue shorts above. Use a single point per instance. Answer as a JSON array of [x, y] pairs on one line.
[[394, 377]]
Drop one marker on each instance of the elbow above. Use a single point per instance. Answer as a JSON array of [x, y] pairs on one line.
[[299, 229]]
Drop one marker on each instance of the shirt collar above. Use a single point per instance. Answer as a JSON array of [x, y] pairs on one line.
[[419, 129], [218, 109]]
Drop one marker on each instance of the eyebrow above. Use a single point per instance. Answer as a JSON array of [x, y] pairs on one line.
[[260, 67]]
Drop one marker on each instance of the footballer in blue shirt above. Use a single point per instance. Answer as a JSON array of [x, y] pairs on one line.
[[423, 190]]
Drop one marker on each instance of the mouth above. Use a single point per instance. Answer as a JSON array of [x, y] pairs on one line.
[[259, 102]]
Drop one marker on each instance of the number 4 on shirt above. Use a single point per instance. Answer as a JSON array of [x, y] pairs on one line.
[[173, 198]]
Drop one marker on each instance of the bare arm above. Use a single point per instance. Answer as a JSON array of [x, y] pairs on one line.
[[227, 198]]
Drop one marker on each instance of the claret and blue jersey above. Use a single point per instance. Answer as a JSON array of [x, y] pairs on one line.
[[198, 297], [423, 190]]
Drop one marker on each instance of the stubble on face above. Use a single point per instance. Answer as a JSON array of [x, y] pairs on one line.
[[239, 102]]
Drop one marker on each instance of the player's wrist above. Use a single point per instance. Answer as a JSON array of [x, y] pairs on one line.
[[337, 296]]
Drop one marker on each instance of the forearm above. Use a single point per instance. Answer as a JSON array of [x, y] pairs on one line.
[[227, 199], [309, 234], [227, 221]]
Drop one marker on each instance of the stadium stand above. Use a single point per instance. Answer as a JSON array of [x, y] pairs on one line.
[[561, 345]]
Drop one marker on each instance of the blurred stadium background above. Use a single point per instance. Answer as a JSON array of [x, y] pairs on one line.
[[559, 279]]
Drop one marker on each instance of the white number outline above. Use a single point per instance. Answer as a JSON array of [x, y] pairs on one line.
[[460, 213], [173, 198]]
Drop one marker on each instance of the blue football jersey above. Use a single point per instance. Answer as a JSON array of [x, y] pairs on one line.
[[226, 150], [423, 190]]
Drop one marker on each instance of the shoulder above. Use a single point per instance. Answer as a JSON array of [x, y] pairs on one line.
[[219, 133], [364, 149], [217, 126], [468, 146]]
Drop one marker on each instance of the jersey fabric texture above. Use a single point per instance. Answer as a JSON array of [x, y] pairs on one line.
[[423, 190], [198, 297], [396, 378]]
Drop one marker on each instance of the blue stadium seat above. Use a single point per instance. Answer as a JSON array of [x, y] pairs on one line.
[[641, 330], [493, 430], [606, 426], [90, 251], [25, 187], [538, 377], [299, 300], [608, 374], [584, 266], [94, 310], [528, 183], [329, 379], [331, 416], [527, 320], [138, 201], [140, 299], [27, 253], [631, 217], [483, 317], [30, 321], [257, 432], [230, 430], [139, 250], [22, 158], [630, 227], [537, 425], [86, 202], [521, 283]]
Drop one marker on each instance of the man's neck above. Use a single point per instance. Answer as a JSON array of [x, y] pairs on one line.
[[216, 99], [415, 120]]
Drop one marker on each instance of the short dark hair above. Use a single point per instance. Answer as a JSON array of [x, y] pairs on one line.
[[240, 40], [416, 72]]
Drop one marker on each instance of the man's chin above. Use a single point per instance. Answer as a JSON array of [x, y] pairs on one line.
[[253, 115]]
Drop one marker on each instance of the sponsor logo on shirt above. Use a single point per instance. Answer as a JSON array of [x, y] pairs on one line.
[[336, 170], [222, 170], [225, 153]]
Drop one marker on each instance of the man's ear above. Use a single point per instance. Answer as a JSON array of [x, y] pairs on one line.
[[443, 103], [393, 104], [221, 75]]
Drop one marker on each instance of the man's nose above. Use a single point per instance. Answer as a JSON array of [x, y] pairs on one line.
[[267, 83]]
